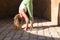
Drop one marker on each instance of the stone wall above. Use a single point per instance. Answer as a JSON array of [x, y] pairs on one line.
[[10, 8], [42, 9], [47, 9]]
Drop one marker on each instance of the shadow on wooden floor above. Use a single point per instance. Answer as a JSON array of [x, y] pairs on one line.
[[8, 32]]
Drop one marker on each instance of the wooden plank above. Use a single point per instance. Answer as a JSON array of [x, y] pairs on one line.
[[10, 35], [58, 30], [7, 26], [35, 22], [41, 34], [54, 34], [18, 34], [25, 36], [33, 39], [33, 34], [4, 26], [47, 34], [5, 32], [16, 39], [39, 22]]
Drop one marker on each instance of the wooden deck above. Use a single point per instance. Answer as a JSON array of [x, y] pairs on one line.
[[8, 32]]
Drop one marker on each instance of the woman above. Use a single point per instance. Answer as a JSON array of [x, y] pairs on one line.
[[24, 6]]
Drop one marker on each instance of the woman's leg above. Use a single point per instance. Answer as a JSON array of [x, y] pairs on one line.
[[30, 10], [23, 15]]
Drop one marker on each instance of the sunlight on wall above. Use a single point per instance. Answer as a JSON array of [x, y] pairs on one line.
[[54, 11]]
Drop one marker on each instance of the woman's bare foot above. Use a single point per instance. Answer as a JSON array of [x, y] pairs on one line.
[[26, 28], [31, 27]]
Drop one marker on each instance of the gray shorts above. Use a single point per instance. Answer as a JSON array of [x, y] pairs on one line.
[[22, 6]]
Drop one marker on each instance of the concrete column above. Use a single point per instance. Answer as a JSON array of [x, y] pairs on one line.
[[54, 11]]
